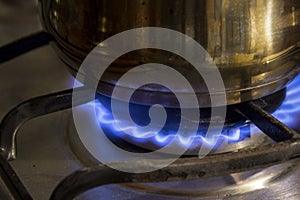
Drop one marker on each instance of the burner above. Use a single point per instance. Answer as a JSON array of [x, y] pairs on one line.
[[221, 186], [237, 133]]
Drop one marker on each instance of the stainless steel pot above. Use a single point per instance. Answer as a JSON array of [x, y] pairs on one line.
[[254, 43]]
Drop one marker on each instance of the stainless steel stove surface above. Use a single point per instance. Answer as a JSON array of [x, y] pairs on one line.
[[44, 155]]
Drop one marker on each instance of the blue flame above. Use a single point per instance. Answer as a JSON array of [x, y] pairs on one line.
[[235, 133], [289, 111], [119, 128]]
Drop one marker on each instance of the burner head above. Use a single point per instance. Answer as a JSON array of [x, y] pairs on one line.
[[237, 132], [236, 128]]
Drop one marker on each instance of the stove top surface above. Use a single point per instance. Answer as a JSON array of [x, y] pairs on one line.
[[44, 156]]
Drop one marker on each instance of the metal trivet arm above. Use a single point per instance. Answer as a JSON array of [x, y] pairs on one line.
[[32, 108], [12, 122], [24, 45], [12, 181], [23, 112], [287, 148]]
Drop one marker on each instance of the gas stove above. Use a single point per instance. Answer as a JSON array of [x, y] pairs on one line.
[[47, 160]]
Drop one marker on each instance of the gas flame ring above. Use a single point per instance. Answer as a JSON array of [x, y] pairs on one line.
[[91, 133]]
